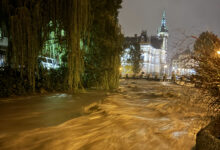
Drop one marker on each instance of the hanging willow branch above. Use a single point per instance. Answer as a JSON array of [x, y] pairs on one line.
[[30, 29], [25, 42], [92, 37]]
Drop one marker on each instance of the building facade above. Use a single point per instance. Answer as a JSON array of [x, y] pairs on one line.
[[182, 64], [154, 51], [3, 48]]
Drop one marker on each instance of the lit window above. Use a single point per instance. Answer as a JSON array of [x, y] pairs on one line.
[[1, 34]]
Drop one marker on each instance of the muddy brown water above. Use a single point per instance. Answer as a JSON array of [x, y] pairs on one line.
[[31, 112], [141, 115]]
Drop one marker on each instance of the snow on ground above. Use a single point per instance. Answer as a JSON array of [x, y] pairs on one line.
[[141, 115]]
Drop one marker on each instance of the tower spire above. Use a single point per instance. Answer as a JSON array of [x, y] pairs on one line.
[[163, 27], [163, 31]]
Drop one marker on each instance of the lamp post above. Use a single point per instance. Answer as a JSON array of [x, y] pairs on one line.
[[218, 53], [165, 68]]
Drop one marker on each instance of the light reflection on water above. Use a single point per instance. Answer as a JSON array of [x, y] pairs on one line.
[[127, 120]]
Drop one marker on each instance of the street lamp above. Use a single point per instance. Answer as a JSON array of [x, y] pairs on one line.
[[218, 52], [165, 68]]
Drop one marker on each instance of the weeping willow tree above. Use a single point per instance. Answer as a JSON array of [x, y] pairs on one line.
[[105, 45], [25, 40], [92, 39], [29, 28], [110, 46], [75, 21]]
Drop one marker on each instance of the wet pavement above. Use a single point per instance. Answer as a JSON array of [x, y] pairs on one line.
[[141, 115]]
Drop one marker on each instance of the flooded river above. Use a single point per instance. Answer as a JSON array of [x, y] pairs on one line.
[[141, 115]]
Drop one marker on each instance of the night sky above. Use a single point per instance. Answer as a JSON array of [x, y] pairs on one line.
[[184, 17]]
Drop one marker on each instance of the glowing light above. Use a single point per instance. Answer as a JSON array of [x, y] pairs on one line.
[[218, 52]]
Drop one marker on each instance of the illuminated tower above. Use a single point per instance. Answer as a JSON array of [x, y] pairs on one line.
[[163, 34], [163, 31]]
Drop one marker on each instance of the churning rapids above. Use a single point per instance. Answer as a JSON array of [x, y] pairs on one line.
[[141, 115]]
